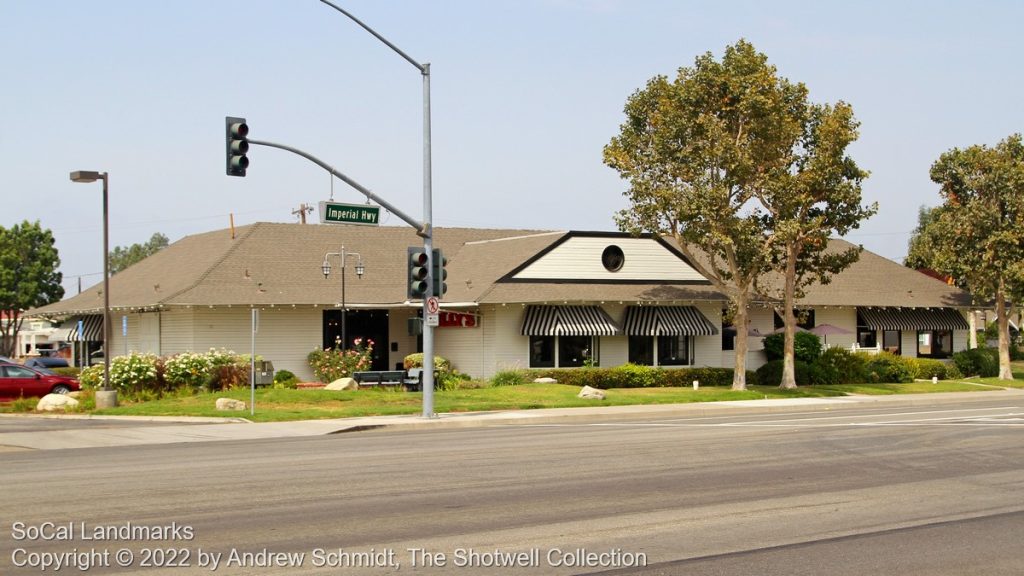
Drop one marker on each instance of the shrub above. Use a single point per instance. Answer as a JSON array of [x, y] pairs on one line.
[[450, 380], [806, 346], [134, 373], [92, 377], [189, 370], [839, 366], [631, 376], [982, 362], [888, 367], [510, 378], [925, 368], [771, 374], [285, 379], [331, 364], [416, 361], [682, 377]]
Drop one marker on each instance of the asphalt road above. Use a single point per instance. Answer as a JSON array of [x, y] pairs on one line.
[[899, 491]]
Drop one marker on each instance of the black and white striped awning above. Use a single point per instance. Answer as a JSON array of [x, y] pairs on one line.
[[667, 321], [568, 321], [913, 319], [92, 329]]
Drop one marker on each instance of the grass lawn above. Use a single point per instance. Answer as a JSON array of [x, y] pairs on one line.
[[909, 388], [278, 405]]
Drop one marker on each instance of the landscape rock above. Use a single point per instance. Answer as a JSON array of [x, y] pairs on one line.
[[76, 394], [54, 402], [343, 384], [545, 381], [591, 393], [230, 404]]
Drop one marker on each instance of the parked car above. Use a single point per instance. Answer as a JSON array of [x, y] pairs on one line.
[[18, 381], [46, 362]]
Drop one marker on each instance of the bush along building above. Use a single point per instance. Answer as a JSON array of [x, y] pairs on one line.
[[516, 298]]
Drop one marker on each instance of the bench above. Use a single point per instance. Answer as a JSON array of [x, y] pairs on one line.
[[380, 378], [411, 380]]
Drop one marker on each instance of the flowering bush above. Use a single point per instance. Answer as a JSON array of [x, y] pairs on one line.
[[91, 377], [331, 364], [188, 369], [134, 372]]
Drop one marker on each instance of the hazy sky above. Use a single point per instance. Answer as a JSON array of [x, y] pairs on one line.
[[525, 95]]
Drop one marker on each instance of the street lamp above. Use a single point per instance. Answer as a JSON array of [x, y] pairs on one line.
[[109, 398], [428, 231], [326, 269]]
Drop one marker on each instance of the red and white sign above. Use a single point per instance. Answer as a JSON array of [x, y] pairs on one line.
[[433, 305], [458, 320]]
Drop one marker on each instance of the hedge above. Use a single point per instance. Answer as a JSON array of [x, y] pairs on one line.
[[636, 376]]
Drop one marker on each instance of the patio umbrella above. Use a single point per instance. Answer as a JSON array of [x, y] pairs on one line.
[[783, 329], [824, 330]]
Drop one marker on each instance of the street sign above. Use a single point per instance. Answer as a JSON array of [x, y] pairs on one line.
[[360, 214], [433, 320], [433, 305]]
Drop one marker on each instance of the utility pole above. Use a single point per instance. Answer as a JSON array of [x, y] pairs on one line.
[[301, 212]]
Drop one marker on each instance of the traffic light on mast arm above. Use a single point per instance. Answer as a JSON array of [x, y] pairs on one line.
[[417, 267], [438, 264], [236, 136]]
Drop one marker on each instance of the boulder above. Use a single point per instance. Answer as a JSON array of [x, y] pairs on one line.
[[343, 384], [545, 381], [591, 393], [230, 404], [53, 402], [76, 394]]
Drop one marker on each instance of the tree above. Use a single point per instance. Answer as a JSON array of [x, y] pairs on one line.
[[817, 194], [921, 247], [980, 231], [121, 258], [28, 276], [696, 151]]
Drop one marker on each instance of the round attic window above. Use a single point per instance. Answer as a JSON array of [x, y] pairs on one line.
[[613, 258]]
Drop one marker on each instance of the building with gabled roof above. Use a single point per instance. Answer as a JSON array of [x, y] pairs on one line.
[[516, 298]]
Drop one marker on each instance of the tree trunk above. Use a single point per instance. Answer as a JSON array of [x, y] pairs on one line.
[[788, 355], [1003, 322], [972, 317], [739, 377]]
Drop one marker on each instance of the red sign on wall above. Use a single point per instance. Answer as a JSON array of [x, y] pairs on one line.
[[458, 320]]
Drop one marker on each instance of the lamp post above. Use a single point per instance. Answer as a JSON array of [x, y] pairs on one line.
[[326, 269], [427, 231], [106, 397]]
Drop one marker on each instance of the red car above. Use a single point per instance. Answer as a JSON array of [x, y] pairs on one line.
[[18, 381]]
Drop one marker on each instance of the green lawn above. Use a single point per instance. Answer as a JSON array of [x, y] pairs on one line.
[[909, 388], [276, 404]]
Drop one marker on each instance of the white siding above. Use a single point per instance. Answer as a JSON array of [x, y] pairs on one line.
[[579, 258], [845, 318], [398, 333], [763, 320], [176, 331], [464, 347], [708, 349], [511, 349]]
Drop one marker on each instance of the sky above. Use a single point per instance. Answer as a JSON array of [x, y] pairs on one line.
[[524, 97]]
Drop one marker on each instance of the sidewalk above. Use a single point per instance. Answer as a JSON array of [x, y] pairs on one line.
[[203, 430]]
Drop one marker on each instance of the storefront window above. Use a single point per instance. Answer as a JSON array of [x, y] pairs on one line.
[[934, 343], [574, 351], [542, 351], [866, 337], [673, 350], [641, 350], [891, 341]]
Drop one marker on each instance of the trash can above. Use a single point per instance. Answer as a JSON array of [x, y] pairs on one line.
[[264, 373]]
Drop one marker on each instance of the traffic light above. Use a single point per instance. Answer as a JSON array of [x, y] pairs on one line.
[[437, 266], [236, 136], [417, 264]]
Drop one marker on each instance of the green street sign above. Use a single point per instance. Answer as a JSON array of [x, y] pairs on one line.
[[361, 214]]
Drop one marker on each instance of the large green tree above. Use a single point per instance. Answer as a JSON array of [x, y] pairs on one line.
[[815, 196], [980, 231], [123, 257], [28, 276], [921, 247], [697, 150]]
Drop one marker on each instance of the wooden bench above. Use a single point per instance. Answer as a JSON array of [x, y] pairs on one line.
[[414, 381]]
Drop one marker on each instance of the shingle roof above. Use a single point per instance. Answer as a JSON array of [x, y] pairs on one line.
[[877, 281], [270, 263]]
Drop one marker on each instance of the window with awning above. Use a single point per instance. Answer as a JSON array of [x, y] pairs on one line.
[[667, 321], [92, 329], [912, 319], [568, 321]]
